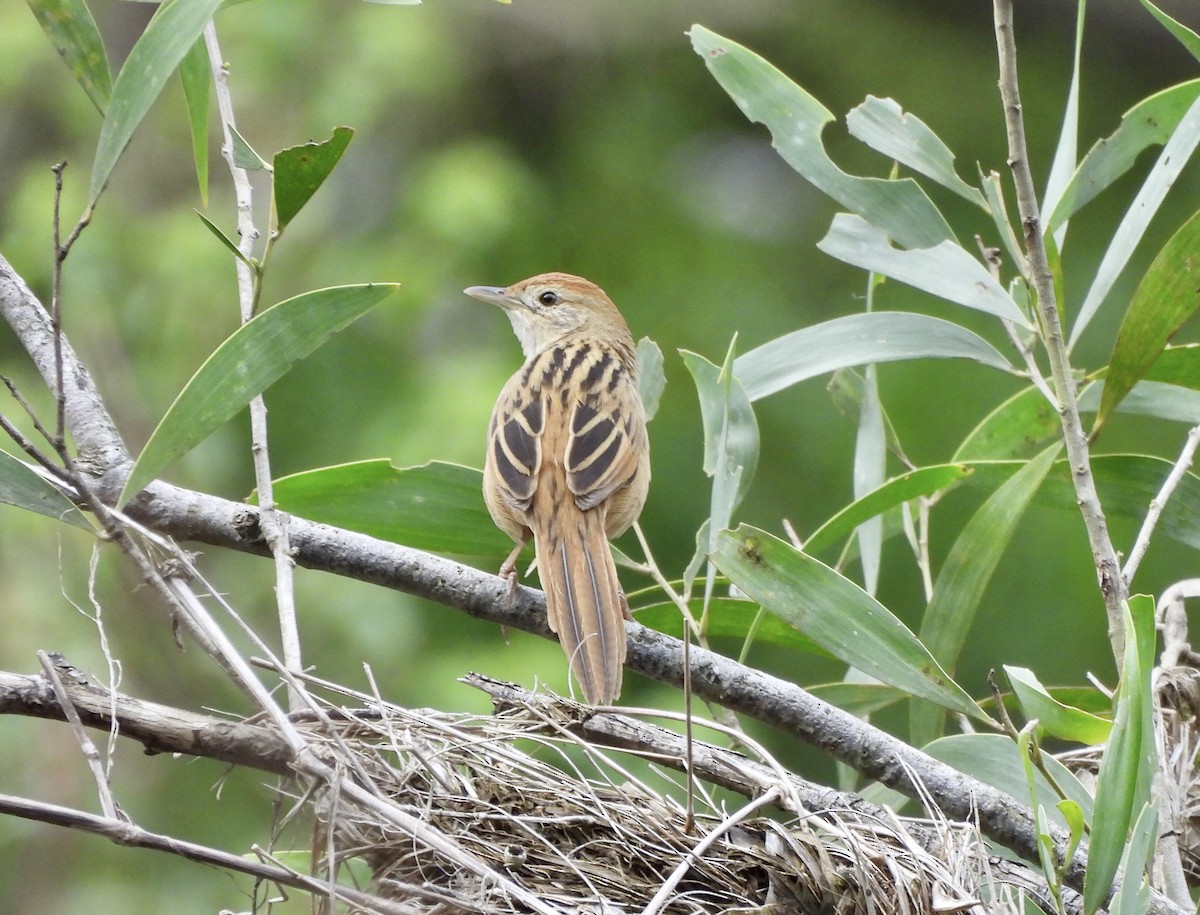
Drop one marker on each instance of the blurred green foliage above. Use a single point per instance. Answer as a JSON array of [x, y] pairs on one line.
[[494, 142]]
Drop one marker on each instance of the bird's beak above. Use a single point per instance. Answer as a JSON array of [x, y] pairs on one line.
[[493, 295]]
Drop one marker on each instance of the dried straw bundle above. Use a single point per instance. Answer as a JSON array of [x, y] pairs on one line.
[[518, 815]]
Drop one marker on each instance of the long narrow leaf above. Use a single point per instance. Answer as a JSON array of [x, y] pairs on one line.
[[796, 121], [1017, 428], [246, 364], [884, 126], [836, 614], [22, 486], [944, 270], [197, 82], [1123, 785], [1186, 36], [168, 37], [72, 30], [870, 467], [1148, 123], [995, 760], [966, 572], [1174, 157], [896, 491], [1166, 298], [1065, 154], [859, 339]]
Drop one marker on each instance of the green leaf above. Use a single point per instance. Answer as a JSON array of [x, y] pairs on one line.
[[72, 30], [225, 239], [861, 699], [1148, 123], [996, 761], [1149, 398], [728, 618], [1068, 139], [847, 390], [651, 378], [1123, 784], [22, 486], [244, 155], [1178, 365], [1017, 428], [168, 37], [876, 336], [1133, 897], [883, 125], [1174, 156], [1058, 719], [870, 467], [1164, 300], [436, 507], [896, 491], [836, 614], [1127, 483], [966, 572], [730, 435], [300, 170], [1186, 36], [796, 121], [253, 358], [197, 82], [944, 270]]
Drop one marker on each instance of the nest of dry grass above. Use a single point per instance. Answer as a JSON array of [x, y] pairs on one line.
[[514, 814]]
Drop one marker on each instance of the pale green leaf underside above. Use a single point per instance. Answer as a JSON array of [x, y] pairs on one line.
[[884, 126], [859, 339], [796, 120], [945, 270]]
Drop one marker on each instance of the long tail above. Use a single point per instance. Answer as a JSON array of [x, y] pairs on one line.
[[585, 604]]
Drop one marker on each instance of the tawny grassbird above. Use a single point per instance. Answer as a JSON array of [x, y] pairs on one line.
[[568, 462]]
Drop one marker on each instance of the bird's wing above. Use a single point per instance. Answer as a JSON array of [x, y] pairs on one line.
[[515, 445], [605, 439]]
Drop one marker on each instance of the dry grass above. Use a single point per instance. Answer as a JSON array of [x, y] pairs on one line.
[[520, 802]]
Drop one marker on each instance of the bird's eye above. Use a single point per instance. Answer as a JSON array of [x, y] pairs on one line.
[[548, 298]]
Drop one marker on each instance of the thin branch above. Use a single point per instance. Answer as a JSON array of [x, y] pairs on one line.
[[1159, 503], [1108, 569], [125, 833], [274, 523], [90, 753]]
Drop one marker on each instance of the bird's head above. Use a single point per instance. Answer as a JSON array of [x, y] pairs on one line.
[[545, 308]]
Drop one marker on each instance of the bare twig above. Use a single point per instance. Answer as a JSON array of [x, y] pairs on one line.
[[90, 753], [1159, 503], [1108, 570], [122, 832], [273, 523]]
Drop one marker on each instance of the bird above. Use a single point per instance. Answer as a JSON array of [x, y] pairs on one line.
[[568, 462]]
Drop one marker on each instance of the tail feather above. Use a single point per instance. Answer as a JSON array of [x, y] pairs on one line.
[[585, 605]]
